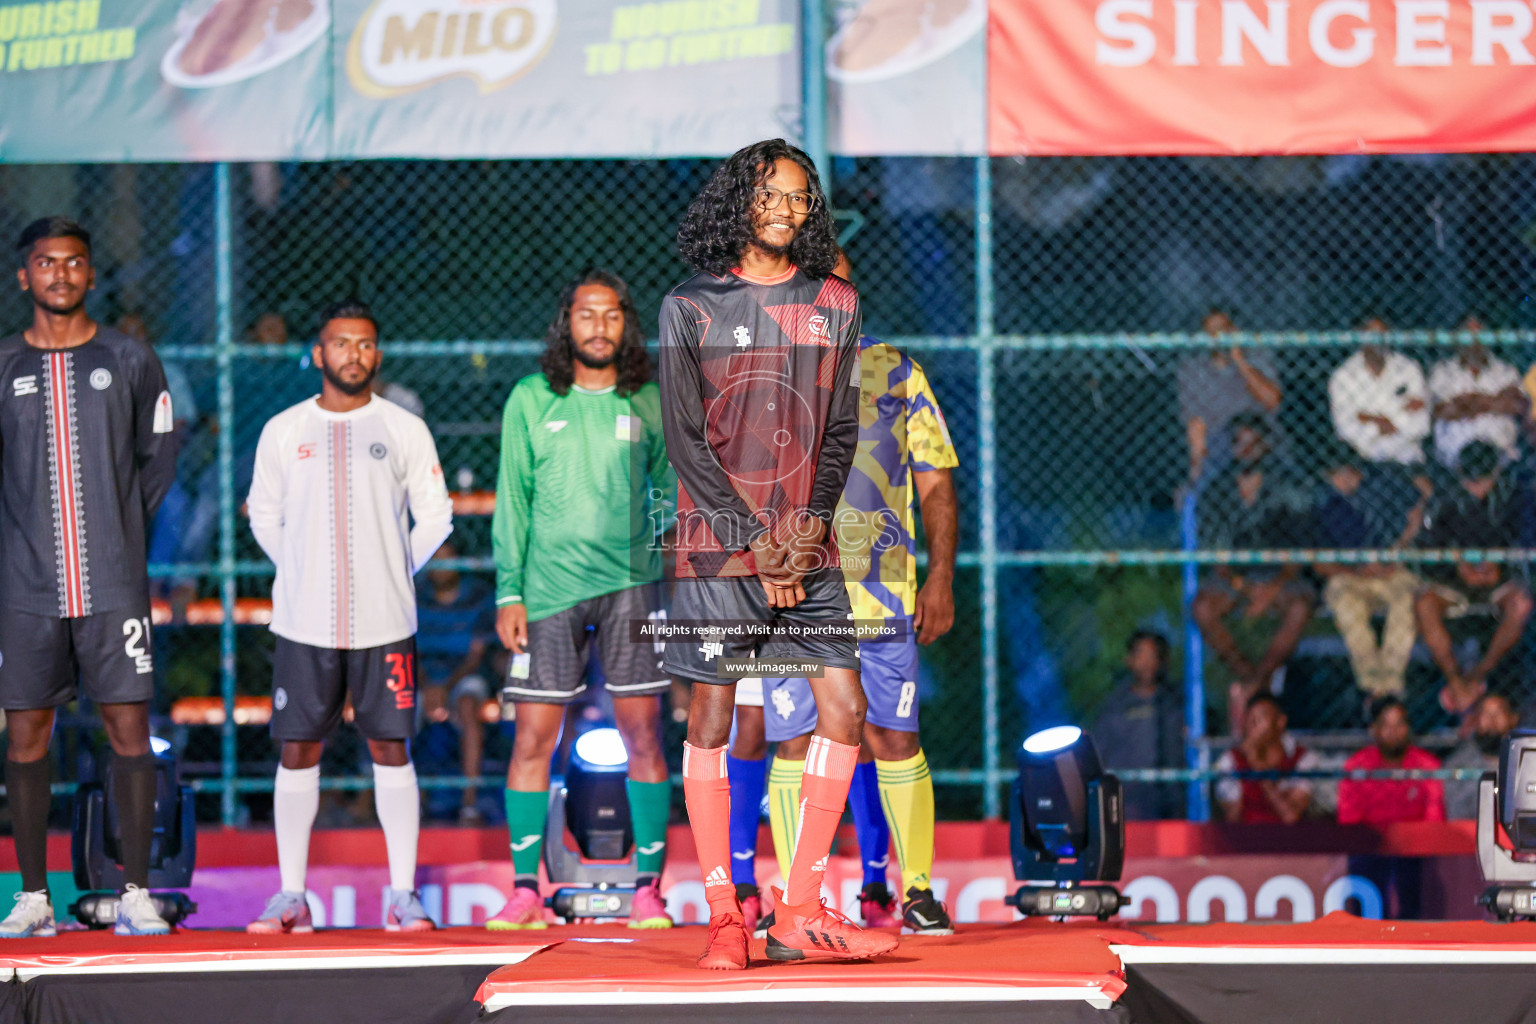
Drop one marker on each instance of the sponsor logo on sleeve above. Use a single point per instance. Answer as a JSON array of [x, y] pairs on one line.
[[165, 418]]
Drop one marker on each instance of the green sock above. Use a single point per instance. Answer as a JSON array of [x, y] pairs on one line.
[[526, 811], [650, 805]]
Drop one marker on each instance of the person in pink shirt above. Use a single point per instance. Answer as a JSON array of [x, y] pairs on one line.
[[1384, 801]]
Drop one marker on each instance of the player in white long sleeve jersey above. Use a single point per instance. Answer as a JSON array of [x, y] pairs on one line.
[[339, 479]]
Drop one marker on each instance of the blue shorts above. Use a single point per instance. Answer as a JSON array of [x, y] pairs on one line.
[[888, 672]]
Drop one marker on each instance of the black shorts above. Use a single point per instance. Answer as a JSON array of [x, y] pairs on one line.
[[741, 599], [552, 670], [42, 656], [310, 687]]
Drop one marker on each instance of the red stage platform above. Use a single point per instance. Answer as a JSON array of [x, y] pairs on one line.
[[1338, 968], [1029, 962]]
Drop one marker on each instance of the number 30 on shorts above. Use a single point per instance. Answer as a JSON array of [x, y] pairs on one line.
[[402, 679], [136, 646], [904, 703]]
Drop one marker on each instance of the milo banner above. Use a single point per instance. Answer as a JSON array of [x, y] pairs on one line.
[[482, 78], [99, 80], [186, 80]]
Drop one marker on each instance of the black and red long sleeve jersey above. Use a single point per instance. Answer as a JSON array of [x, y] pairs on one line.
[[86, 455], [760, 407]]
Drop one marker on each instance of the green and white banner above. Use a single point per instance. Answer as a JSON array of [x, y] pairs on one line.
[[146, 80]]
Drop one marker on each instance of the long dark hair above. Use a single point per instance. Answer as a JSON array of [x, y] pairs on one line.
[[558, 361], [720, 223]]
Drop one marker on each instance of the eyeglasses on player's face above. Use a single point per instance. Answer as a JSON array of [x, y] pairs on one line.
[[799, 202]]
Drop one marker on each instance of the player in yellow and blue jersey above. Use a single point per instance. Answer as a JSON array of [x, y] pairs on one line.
[[904, 446]]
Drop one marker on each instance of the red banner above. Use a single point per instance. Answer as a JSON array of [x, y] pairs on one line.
[[1112, 77]]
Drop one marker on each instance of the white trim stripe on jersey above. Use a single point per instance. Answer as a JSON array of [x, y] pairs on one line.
[[341, 526], [64, 476]]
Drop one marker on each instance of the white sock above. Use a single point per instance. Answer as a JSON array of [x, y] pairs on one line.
[[295, 801], [397, 799]]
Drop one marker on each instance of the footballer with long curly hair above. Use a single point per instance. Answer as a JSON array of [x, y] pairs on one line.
[[583, 475], [759, 372], [561, 353]]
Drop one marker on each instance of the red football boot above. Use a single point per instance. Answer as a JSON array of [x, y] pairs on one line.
[[727, 949], [814, 931]]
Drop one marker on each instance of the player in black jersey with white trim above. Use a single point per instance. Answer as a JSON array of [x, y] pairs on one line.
[[86, 455]]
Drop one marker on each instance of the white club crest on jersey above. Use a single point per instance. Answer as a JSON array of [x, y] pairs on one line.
[[743, 337], [101, 378]]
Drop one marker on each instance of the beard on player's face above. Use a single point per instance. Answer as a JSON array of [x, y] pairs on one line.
[[593, 360], [353, 386], [60, 302]]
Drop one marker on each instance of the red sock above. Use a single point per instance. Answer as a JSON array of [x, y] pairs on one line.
[[823, 795], [707, 791]]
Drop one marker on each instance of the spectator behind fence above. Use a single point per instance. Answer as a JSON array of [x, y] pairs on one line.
[[1257, 502], [1487, 509], [1265, 747], [1385, 801], [1216, 388], [456, 619], [1142, 726], [1492, 718], [1380, 403], [1346, 518], [1476, 398]]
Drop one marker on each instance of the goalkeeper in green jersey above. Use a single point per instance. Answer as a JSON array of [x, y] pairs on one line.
[[583, 494]]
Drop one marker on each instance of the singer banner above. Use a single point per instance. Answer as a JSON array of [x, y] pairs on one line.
[[1113, 77]]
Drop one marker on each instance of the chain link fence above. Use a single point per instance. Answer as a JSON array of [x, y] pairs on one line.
[[1060, 308]]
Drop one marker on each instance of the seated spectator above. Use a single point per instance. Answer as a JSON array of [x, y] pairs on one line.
[[1485, 510], [1265, 747], [1380, 404], [456, 618], [1142, 726], [1346, 519], [1215, 388], [1492, 718], [1384, 801], [1256, 503], [1476, 398]]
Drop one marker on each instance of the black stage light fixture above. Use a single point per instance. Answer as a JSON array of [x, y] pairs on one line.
[[1506, 829], [96, 836], [1067, 825], [589, 839]]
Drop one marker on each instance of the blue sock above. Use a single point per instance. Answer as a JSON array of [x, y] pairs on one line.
[[869, 823], [747, 781]]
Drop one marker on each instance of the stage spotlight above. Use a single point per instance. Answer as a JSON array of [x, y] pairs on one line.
[[1506, 829], [589, 843], [597, 801], [1067, 822], [96, 838]]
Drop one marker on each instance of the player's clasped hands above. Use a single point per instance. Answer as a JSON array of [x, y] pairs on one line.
[[782, 565]]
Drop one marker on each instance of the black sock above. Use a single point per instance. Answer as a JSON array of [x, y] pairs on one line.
[[133, 792], [26, 789]]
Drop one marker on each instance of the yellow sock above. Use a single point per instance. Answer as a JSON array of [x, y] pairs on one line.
[[784, 809], [906, 793]]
